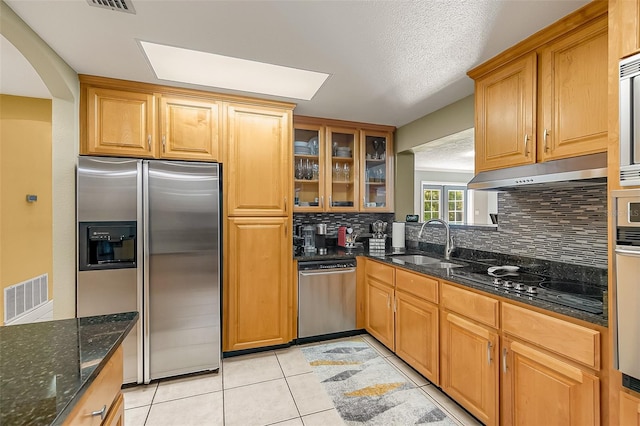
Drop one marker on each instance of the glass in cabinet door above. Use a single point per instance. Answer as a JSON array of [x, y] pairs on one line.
[[375, 159], [307, 154], [343, 170]]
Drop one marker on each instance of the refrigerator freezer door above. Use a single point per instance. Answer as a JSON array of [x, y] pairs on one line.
[[182, 260], [110, 189]]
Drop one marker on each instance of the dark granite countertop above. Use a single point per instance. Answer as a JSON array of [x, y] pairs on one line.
[[46, 367], [539, 267]]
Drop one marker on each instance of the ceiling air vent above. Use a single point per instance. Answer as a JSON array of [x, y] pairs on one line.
[[120, 5]]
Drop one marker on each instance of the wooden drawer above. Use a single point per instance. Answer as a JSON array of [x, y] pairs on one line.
[[472, 305], [573, 341], [103, 392], [380, 271], [418, 285]]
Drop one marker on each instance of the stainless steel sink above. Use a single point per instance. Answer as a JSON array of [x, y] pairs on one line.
[[418, 259]]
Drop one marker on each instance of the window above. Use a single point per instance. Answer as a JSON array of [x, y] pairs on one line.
[[454, 207]]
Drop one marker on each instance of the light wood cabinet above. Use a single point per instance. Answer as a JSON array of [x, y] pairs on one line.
[[354, 163], [546, 97], [189, 128], [379, 312], [573, 93], [548, 378], [103, 395], [417, 334], [539, 389], [469, 365], [258, 291], [628, 24], [505, 115], [118, 123], [258, 161], [629, 410]]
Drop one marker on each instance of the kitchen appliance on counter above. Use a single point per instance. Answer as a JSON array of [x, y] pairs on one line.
[[572, 294], [308, 233], [321, 238], [626, 297], [346, 237], [630, 121], [326, 298], [149, 241]]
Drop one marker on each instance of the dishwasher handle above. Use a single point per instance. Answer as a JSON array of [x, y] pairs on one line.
[[315, 272]]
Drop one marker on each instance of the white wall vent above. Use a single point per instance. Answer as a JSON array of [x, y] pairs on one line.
[[25, 297], [120, 5]]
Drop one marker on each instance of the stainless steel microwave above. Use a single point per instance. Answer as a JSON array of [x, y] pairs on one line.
[[630, 121]]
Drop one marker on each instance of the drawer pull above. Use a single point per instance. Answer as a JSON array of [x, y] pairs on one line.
[[100, 413]]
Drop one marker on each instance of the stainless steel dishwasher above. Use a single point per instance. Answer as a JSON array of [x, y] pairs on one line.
[[326, 297]]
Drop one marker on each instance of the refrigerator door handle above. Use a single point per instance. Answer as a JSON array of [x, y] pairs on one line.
[[145, 268], [139, 273]]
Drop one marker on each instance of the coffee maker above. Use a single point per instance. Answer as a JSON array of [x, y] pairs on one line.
[[321, 238]]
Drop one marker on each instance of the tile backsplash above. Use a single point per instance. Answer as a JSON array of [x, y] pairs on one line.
[[358, 221], [566, 225]]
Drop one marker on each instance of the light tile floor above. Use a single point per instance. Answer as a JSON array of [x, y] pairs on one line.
[[267, 388]]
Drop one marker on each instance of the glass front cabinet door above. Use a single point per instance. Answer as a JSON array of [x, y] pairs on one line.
[[342, 171], [376, 179], [309, 165]]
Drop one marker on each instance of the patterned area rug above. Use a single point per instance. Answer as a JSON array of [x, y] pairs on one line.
[[367, 390]]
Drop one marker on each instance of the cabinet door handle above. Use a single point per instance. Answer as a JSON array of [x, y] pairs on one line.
[[164, 143], [322, 201], [149, 142], [286, 229], [388, 301], [330, 202], [526, 144], [285, 204], [544, 138], [489, 346], [363, 202], [100, 413], [504, 360]]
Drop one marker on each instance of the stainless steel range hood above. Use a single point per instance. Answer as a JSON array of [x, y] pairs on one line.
[[582, 170]]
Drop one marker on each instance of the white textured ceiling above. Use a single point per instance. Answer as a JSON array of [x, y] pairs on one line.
[[453, 153], [391, 62], [17, 76]]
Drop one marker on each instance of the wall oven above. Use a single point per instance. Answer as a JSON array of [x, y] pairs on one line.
[[630, 121], [627, 286]]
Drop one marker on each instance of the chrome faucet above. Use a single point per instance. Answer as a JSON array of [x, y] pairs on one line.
[[448, 245]]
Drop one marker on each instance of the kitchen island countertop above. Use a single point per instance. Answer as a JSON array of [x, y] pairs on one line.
[[46, 367]]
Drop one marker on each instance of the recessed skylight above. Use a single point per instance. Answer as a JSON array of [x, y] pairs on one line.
[[208, 69]]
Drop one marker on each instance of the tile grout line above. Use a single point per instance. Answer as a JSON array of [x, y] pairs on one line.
[[288, 387]]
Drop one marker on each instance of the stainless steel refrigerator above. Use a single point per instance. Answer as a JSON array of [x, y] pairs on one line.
[[149, 240]]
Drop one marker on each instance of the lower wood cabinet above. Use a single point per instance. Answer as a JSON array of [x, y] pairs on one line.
[[379, 320], [629, 410], [103, 399], [417, 334], [469, 365], [539, 389], [257, 293]]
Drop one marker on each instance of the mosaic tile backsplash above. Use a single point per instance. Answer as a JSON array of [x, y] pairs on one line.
[[358, 221], [566, 225]]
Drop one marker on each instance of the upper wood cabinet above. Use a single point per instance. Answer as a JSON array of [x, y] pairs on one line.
[[258, 160], [573, 93], [189, 128], [546, 97], [505, 115], [628, 24], [118, 123], [342, 166]]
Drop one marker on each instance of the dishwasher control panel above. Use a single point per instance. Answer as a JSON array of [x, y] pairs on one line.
[[326, 264]]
